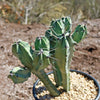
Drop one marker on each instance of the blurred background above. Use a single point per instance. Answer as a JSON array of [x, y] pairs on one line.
[[43, 11]]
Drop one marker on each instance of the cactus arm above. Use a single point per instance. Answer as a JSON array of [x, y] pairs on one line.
[[67, 24], [57, 27], [49, 85], [56, 71], [41, 59], [40, 62], [23, 51], [51, 39], [19, 74], [69, 50], [60, 55], [42, 43], [63, 54], [79, 33], [61, 27], [57, 75]]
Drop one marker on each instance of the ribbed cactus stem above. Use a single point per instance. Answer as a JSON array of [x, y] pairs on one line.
[[48, 84], [69, 50], [63, 54], [57, 75], [60, 55], [66, 80]]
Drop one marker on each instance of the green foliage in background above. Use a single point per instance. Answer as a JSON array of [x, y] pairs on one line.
[[43, 11]]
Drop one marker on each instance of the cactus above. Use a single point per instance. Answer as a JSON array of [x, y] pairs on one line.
[[56, 48], [34, 60], [64, 48]]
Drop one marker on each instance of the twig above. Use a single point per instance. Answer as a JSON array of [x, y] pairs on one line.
[[27, 14]]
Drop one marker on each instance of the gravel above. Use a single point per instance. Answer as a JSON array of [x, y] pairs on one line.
[[81, 88]]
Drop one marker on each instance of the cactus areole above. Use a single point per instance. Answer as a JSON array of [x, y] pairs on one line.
[[56, 48]]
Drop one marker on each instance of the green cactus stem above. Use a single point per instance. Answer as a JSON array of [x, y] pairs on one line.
[[79, 33], [52, 39], [63, 54], [59, 29], [41, 54], [48, 84], [42, 43], [56, 71], [42, 61], [69, 50], [57, 74], [23, 52], [19, 74], [36, 61], [64, 48]]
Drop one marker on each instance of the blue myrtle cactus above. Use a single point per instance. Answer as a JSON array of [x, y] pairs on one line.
[[56, 48], [62, 43]]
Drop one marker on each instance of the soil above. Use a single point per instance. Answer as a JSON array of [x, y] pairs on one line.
[[86, 57]]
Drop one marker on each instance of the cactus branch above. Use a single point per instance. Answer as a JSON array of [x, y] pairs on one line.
[[79, 33], [57, 75], [69, 50], [49, 85]]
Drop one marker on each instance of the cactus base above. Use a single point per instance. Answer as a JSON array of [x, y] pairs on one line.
[[79, 72]]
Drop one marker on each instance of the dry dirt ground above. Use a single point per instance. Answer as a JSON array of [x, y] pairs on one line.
[[86, 57]]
